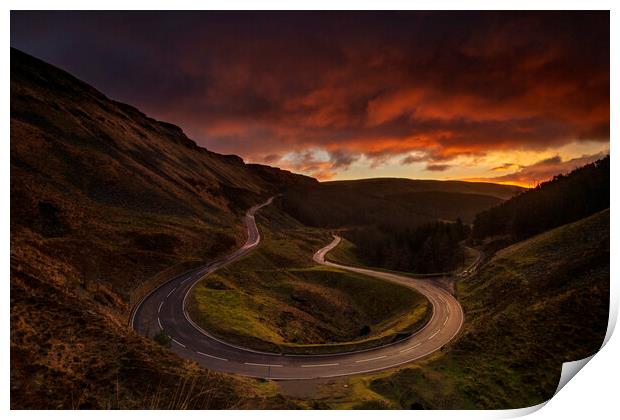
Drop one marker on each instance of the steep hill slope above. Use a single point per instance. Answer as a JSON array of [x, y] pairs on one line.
[[105, 203], [533, 306], [98, 177], [564, 199]]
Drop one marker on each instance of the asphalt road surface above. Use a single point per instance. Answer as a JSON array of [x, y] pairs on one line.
[[164, 309]]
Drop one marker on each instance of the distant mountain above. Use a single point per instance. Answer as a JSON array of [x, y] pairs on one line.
[[391, 202], [399, 224], [105, 203], [387, 186], [562, 200]]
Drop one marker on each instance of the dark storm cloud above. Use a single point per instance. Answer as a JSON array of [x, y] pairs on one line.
[[353, 84], [437, 167], [409, 159], [342, 158], [505, 167]]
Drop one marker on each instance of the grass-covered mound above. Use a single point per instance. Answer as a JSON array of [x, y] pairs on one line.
[[278, 299]]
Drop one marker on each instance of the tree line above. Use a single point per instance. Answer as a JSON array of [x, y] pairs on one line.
[[564, 199], [429, 248]]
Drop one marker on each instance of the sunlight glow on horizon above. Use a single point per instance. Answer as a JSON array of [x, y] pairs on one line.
[[492, 167]]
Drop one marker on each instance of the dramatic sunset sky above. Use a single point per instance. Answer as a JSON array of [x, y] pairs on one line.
[[506, 97]]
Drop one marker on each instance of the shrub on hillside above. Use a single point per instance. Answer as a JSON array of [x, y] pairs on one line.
[[162, 338]]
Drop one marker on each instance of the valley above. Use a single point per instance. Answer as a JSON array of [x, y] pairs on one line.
[[149, 272]]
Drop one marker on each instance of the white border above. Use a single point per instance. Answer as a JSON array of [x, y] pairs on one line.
[[592, 394], [313, 5]]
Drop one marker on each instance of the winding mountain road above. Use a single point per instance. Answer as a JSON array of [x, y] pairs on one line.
[[164, 309]]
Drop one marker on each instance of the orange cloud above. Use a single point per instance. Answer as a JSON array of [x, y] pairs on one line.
[[544, 170], [353, 85]]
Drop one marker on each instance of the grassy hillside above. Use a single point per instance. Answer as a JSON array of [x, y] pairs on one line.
[[105, 203], [98, 178], [533, 306], [70, 352], [278, 299], [397, 202]]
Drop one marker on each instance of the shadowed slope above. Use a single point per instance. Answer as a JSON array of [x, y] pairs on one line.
[[534, 306], [105, 203]]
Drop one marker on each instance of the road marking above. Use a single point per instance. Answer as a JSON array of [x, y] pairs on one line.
[[445, 321], [261, 364], [411, 348], [436, 332], [178, 342], [439, 298], [160, 305], [159, 322], [211, 356], [322, 365], [370, 360]]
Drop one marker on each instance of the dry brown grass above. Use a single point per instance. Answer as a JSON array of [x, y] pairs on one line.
[[105, 203]]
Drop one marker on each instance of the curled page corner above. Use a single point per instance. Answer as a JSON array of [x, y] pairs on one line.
[[613, 313], [521, 412], [569, 370]]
